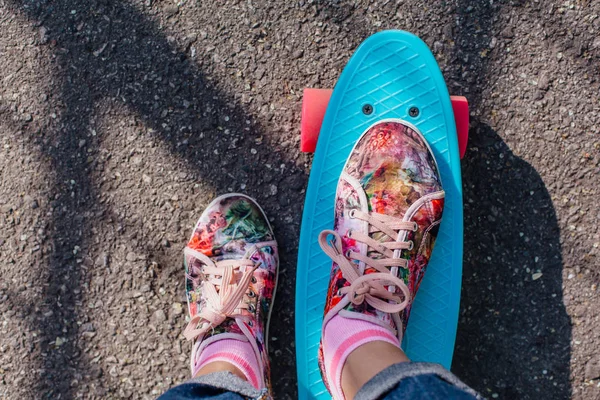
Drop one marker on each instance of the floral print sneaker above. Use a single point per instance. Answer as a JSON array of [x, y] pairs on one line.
[[388, 208], [231, 264]]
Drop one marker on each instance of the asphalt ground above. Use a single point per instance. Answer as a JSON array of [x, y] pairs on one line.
[[121, 120]]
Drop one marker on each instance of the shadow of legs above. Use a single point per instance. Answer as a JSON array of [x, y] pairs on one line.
[[514, 333], [141, 70]]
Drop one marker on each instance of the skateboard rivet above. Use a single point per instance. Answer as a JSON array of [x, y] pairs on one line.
[[367, 109], [413, 112]]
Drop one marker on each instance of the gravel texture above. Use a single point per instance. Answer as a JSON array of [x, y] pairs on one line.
[[121, 120]]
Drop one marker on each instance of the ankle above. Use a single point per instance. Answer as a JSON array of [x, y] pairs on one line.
[[220, 366], [365, 362]]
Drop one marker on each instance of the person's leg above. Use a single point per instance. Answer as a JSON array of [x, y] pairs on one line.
[[425, 387], [220, 366], [367, 361], [379, 370], [388, 208], [231, 264], [415, 381], [218, 386]]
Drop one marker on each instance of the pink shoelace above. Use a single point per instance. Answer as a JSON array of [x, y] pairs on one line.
[[225, 283], [372, 287]]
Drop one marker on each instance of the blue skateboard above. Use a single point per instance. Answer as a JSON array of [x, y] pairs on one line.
[[392, 74]]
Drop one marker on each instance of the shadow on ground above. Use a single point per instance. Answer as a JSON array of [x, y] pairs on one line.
[[139, 68], [514, 333]]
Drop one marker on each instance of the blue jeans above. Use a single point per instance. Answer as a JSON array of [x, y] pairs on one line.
[[404, 381]]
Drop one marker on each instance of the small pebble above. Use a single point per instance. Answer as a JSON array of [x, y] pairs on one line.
[[171, 10], [159, 316], [43, 32], [177, 308], [544, 81]]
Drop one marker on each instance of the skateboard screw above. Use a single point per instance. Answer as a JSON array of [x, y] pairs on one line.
[[413, 112], [367, 109]]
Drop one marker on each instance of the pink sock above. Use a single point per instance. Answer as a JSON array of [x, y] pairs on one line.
[[341, 336], [235, 352]]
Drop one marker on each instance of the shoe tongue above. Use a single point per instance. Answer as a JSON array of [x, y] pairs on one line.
[[381, 238], [356, 198], [371, 205], [382, 202]]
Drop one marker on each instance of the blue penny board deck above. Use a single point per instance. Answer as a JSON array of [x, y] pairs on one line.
[[392, 71]]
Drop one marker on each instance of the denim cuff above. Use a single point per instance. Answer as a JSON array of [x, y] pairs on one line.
[[386, 380], [232, 383]]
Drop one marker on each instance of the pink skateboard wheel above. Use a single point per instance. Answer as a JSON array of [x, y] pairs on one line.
[[314, 105], [460, 106]]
